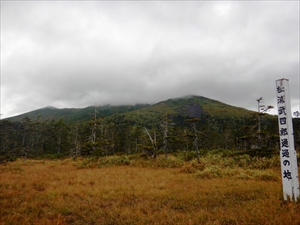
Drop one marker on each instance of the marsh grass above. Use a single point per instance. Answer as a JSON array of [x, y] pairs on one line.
[[138, 192]]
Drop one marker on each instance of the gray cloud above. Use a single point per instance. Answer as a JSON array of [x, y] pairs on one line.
[[75, 54]]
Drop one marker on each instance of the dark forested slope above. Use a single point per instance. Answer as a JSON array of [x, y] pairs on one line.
[[188, 123]]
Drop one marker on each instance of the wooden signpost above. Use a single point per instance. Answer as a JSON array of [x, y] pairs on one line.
[[288, 156]]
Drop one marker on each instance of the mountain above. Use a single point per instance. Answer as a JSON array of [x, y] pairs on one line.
[[195, 106], [76, 114], [175, 124], [189, 106]]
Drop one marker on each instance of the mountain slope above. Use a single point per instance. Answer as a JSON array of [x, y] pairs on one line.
[[194, 106], [189, 106], [76, 114], [180, 109]]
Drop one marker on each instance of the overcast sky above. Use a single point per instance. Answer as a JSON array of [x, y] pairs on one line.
[[75, 54]]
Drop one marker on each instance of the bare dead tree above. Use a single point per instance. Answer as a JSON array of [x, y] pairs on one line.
[[153, 142], [261, 109]]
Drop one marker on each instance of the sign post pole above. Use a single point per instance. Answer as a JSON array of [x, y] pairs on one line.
[[288, 156]]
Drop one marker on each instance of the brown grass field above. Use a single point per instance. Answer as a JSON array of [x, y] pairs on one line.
[[61, 192]]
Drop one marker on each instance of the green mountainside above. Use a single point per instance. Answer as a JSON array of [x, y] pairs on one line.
[[190, 106], [75, 114], [185, 124]]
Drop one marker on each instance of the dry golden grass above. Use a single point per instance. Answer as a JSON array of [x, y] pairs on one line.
[[57, 192]]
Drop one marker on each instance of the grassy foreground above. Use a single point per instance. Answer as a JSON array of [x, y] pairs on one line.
[[76, 192]]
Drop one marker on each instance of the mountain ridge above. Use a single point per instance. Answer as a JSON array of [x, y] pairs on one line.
[[190, 106]]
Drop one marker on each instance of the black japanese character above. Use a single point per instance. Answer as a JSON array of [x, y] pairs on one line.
[[283, 131], [280, 99], [284, 142], [287, 174], [280, 89], [282, 120], [281, 110], [285, 153], [286, 162]]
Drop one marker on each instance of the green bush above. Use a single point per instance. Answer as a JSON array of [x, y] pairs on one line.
[[239, 173], [167, 162], [52, 156], [210, 172], [113, 161], [189, 155], [213, 159], [220, 151], [243, 161]]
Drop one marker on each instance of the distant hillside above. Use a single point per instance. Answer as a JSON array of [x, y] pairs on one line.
[[167, 126], [76, 114], [189, 106]]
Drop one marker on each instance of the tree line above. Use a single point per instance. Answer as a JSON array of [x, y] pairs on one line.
[[120, 134]]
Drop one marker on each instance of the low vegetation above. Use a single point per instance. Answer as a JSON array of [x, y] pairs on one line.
[[137, 189]]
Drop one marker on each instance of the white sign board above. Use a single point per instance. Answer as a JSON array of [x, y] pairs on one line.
[[288, 156]]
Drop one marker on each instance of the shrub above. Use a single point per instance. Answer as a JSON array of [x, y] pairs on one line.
[[53, 156], [167, 162], [189, 155], [244, 161], [192, 167], [92, 162], [239, 173], [210, 172], [161, 161], [113, 161]]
